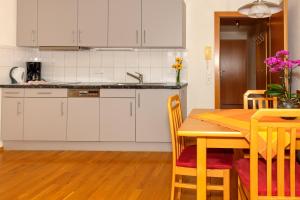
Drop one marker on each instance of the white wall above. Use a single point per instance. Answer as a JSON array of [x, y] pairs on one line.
[[294, 37], [8, 25], [200, 33]]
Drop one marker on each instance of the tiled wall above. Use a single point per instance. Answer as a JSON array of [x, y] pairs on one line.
[[95, 66]]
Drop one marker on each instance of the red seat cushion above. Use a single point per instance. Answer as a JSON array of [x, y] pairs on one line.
[[216, 159], [243, 168]]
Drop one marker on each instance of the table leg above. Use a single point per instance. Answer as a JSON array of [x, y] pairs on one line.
[[201, 168]]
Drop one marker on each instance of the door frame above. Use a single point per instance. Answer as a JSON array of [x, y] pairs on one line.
[[218, 16]]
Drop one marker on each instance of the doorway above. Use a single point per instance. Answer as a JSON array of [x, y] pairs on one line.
[[243, 49], [241, 46]]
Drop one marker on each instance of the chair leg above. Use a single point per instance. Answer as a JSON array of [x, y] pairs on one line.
[[179, 189], [173, 185], [226, 184]]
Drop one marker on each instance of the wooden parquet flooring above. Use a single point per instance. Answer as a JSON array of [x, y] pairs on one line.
[[86, 176]]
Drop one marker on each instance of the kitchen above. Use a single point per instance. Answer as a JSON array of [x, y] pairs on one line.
[[84, 88], [77, 79]]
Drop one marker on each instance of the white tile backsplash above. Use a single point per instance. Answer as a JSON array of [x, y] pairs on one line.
[[95, 66]]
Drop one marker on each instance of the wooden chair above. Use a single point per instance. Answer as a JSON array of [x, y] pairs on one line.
[[185, 158], [258, 100], [271, 178]]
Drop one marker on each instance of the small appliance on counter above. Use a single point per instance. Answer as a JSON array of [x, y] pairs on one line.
[[33, 71], [17, 75]]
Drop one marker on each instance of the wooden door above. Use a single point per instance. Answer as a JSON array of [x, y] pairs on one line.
[[278, 37], [163, 23], [92, 23], [12, 118], [57, 22], [152, 115], [45, 119], [27, 20], [233, 64], [124, 23], [117, 119], [83, 119]]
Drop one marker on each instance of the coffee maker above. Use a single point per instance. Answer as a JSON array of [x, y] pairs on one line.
[[33, 71]]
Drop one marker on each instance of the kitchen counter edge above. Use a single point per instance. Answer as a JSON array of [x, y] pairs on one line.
[[97, 86]]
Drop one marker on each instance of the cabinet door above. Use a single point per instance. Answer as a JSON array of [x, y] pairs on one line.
[[12, 118], [45, 119], [92, 23], [124, 23], [27, 23], [163, 23], [152, 122], [117, 119], [57, 22], [83, 119]]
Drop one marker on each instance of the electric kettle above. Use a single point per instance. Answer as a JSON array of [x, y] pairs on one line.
[[17, 75]]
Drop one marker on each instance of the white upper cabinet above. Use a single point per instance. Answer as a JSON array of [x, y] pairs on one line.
[[124, 28], [163, 23], [92, 23], [57, 23], [27, 20]]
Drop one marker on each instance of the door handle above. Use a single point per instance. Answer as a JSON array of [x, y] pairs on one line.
[[222, 73]]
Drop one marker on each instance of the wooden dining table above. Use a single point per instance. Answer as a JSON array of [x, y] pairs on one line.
[[211, 135]]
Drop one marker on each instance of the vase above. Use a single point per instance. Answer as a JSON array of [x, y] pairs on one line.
[[178, 77], [288, 105]]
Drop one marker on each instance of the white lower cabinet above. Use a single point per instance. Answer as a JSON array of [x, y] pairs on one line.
[[152, 122], [12, 118], [45, 119], [83, 119], [117, 119]]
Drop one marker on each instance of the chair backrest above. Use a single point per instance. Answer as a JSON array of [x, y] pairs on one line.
[[269, 120], [175, 121], [257, 100]]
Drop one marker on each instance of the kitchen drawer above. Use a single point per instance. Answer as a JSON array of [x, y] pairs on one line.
[[39, 93], [117, 93], [13, 92]]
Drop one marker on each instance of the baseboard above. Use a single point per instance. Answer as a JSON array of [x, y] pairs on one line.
[[86, 146]]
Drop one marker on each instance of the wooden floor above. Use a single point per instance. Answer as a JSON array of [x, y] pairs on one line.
[[86, 175]]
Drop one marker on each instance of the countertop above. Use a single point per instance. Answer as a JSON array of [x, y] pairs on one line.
[[100, 85]]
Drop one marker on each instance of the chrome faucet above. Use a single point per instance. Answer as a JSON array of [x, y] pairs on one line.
[[139, 77]]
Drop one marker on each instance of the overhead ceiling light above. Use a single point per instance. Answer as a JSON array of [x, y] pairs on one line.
[[260, 9]]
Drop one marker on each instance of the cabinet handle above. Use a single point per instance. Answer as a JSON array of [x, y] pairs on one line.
[[139, 100], [62, 109], [131, 112], [18, 108], [32, 37], [12, 93], [79, 36], [73, 32], [137, 36], [43, 93], [144, 36]]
